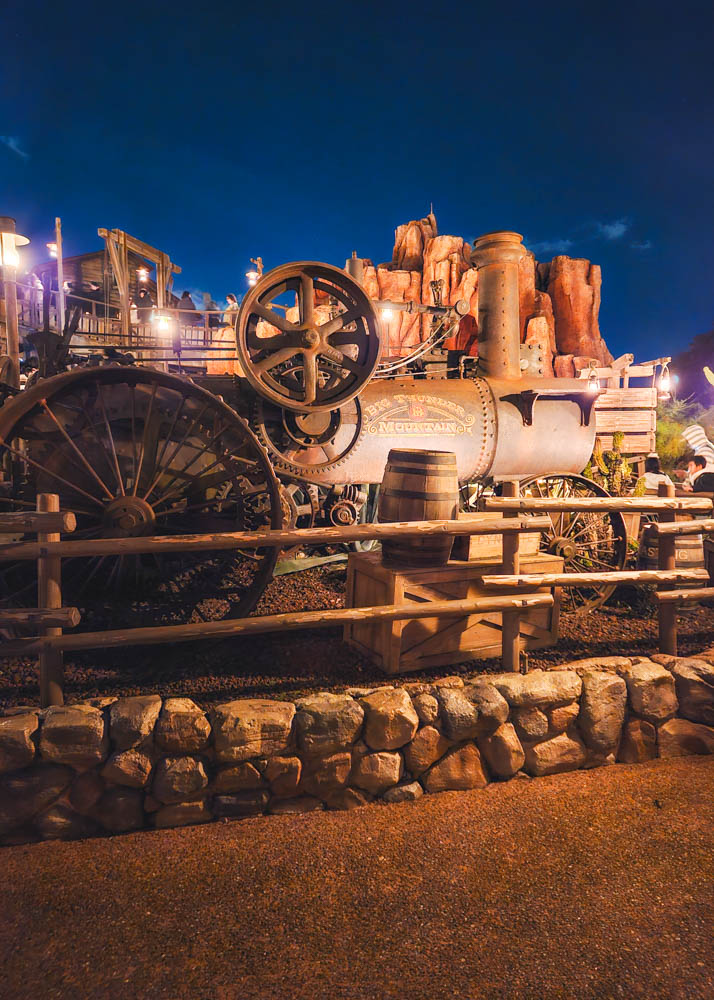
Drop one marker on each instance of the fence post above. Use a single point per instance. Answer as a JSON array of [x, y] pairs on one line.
[[511, 620], [49, 595], [666, 559]]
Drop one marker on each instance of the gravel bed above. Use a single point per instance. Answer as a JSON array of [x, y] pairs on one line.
[[290, 665], [595, 885]]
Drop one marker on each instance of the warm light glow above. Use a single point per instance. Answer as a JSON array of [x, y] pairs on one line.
[[8, 250], [52, 247], [142, 274], [593, 381], [9, 242], [665, 382], [161, 322], [252, 277], [387, 314]]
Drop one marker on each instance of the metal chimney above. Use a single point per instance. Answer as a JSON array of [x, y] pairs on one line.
[[496, 256]]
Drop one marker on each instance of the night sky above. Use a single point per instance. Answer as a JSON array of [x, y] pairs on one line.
[[219, 131]]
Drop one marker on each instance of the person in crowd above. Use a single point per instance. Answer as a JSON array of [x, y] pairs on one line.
[[144, 306], [231, 312], [188, 315], [654, 477], [701, 476], [211, 307]]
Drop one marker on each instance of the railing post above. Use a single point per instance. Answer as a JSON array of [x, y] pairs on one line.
[[49, 595], [666, 559], [511, 620]]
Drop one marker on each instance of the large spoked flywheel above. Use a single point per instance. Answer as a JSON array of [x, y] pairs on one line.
[[587, 542], [308, 337], [133, 451]]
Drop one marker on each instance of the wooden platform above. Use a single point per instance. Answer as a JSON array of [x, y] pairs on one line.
[[403, 646]]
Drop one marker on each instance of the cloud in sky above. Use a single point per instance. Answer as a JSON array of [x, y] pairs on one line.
[[551, 246], [641, 244], [612, 230], [13, 143]]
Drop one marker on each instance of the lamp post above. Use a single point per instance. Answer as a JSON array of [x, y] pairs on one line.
[[255, 273], [9, 259]]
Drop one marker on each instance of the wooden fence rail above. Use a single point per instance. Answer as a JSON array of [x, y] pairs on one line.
[[600, 505], [521, 514]]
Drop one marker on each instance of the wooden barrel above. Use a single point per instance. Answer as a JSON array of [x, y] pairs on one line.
[[688, 554], [418, 486]]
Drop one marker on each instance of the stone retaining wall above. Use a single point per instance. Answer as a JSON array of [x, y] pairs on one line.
[[110, 766]]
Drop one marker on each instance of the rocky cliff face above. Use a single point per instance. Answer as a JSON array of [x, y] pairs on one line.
[[559, 299]]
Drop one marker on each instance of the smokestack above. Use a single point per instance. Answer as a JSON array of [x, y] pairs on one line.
[[496, 256], [354, 266]]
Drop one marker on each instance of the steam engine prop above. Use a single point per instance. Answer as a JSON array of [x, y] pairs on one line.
[[302, 434]]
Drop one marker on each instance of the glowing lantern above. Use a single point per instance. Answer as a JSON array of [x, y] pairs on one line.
[[9, 242]]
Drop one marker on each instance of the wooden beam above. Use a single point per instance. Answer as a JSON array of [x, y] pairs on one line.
[[49, 597], [266, 539], [600, 505], [39, 617], [289, 621], [666, 561], [138, 246], [30, 521], [531, 581], [684, 596], [511, 624], [681, 527]]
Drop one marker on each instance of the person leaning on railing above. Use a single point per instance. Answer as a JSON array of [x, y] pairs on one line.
[[223, 362], [701, 476]]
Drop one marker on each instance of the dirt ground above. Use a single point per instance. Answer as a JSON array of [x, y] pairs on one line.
[[596, 884], [287, 666]]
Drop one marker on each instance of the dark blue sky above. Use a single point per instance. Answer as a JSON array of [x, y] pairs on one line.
[[219, 131]]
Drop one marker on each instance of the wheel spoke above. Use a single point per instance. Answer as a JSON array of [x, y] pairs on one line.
[[68, 439], [177, 449], [333, 326], [275, 359], [341, 359], [147, 422], [273, 318], [307, 299], [49, 472], [120, 482], [309, 378]]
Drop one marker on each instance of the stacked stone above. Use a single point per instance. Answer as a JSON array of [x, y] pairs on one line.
[[111, 766]]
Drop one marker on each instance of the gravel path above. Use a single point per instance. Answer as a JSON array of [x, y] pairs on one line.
[[596, 884], [290, 665]]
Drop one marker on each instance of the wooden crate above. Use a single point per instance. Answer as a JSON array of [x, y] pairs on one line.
[[490, 546], [402, 646], [632, 411]]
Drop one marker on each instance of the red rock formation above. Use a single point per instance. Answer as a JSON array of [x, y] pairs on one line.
[[559, 300], [409, 242], [573, 285]]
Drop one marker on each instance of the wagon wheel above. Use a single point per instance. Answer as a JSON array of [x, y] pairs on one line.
[[132, 451], [330, 358], [587, 542], [472, 493]]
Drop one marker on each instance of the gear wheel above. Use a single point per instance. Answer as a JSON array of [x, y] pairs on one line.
[[306, 444]]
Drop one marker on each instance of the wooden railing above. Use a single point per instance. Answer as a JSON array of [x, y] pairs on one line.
[[100, 324], [49, 550], [522, 514]]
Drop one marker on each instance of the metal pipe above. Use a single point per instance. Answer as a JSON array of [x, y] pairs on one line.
[[496, 255]]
